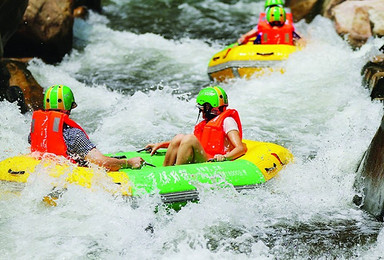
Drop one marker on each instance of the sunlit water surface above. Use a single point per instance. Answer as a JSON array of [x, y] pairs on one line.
[[135, 72]]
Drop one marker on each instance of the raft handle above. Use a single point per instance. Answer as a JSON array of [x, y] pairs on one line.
[[265, 54], [15, 172], [272, 168], [149, 164], [125, 157], [119, 157], [146, 149]]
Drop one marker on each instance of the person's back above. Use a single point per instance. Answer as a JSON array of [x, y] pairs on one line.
[[48, 125], [52, 131]]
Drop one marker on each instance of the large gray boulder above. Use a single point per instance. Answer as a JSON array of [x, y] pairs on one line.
[[303, 9], [359, 20], [355, 20]]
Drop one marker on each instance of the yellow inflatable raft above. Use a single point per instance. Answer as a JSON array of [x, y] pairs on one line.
[[247, 60]]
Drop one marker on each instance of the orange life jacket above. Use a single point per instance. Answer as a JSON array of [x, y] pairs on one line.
[[276, 35], [47, 132], [211, 134], [288, 16]]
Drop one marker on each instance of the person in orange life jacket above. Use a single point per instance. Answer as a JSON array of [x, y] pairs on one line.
[[218, 136], [274, 30], [52, 131]]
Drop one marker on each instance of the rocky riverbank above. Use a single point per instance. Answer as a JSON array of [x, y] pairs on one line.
[[35, 28]]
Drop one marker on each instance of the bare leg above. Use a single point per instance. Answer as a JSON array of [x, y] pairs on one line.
[[170, 156], [190, 151]]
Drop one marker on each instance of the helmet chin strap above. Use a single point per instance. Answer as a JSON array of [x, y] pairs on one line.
[[198, 116], [208, 114]]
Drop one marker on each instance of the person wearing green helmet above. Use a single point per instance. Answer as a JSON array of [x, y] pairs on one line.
[[273, 28], [270, 3], [52, 131], [217, 137]]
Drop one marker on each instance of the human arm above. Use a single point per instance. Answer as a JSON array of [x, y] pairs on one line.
[[154, 147], [238, 150], [112, 164], [245, 37], [80, 148]]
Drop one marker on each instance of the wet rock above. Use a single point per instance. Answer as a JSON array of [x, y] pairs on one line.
[[303, 9], [23, 87], [354, 19], [81, 12], [15, 94], [308, 9], [327, 6], [373, 76], [11, 13], [370, 180], [4, 80], [43, 29], [46, 31], [11, 93]]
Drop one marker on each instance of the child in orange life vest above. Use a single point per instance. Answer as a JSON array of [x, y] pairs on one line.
[[218, 136], [52, 131], [275, 29]]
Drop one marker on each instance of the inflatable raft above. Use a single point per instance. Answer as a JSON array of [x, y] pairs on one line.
[[250, 59], [247, 60], [175, 184]]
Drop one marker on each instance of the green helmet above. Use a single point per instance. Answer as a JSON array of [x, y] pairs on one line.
[[276, 14], [270, 3], [59, 97], [215, 96]]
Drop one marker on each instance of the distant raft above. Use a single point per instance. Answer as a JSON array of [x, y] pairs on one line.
[[175, 184], [247, 60], [250, 59]]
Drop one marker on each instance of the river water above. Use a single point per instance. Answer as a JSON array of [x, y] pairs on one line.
[[135, 71]]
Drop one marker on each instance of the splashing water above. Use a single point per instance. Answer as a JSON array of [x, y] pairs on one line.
[[136, 84]]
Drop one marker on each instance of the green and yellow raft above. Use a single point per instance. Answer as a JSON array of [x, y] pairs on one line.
[[175, 184], [248, 60]]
